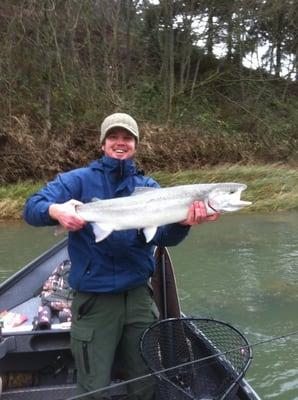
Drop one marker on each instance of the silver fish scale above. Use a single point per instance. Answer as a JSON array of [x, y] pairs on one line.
[[155, 207]]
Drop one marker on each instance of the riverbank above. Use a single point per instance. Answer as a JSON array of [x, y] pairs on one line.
[[270, 187]]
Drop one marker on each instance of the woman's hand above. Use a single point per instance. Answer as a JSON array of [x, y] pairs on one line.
[[197, 214], [66, 215]]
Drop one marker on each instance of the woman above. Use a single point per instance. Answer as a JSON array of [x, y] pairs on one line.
[[112, 304]]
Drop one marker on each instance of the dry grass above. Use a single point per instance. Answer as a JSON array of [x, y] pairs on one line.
[[270, 187], [25, 155], [11, 209], [172, 155]]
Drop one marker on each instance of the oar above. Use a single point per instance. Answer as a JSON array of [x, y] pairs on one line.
[[164, 282], [164, 285]]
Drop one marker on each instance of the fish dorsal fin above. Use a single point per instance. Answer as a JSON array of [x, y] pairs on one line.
[[142, 189]]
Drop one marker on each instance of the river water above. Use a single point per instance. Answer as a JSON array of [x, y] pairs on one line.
[[242, 269]]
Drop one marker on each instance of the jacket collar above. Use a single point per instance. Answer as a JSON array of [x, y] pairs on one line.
[[118, 174], [112, 165]]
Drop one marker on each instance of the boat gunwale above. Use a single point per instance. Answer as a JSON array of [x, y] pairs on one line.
[[30, 266], [246, 389]]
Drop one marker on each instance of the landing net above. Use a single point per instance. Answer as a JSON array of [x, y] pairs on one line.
[[208, 358]]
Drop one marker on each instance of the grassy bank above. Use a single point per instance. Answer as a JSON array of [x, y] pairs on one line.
[[270, 187]]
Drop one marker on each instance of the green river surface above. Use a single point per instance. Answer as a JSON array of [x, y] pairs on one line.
[[242, 269]]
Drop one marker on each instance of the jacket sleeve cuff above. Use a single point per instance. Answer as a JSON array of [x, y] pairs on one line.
[[46, 215]]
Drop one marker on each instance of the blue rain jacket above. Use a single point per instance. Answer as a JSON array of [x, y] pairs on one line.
[[123, 260]]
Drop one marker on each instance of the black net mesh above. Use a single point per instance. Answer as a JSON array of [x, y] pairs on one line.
[[215, 355]]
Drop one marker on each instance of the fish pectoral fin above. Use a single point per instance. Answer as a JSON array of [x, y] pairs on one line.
[[101, 231], [149, 232], [59, 229]]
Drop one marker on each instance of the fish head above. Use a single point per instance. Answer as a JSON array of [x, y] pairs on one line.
[[226, 197]]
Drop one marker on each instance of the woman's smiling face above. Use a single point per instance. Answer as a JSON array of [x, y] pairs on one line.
[[120, 144]]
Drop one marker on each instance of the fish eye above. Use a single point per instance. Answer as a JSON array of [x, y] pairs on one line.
[[232, 191]]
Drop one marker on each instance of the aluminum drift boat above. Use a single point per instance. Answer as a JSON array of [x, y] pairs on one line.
[[37, 364]]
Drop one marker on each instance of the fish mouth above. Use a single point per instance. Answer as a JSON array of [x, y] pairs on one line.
[[232, 206], [237, 205]]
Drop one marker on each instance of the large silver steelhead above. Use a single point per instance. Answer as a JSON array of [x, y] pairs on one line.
[[149, 208]]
